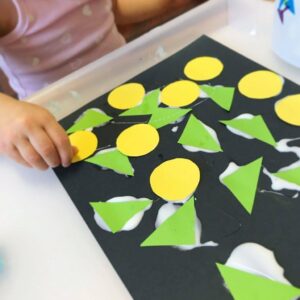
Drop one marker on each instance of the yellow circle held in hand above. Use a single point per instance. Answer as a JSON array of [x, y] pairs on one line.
[[261, 85], [85, 142], [126, 96], [175, 179], [138, 140], [203, 68], [180, 93], [288, 109]]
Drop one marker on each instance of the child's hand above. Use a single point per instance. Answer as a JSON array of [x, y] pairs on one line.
[[30, 135]]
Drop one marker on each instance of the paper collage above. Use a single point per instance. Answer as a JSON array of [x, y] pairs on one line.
[[185, 168]]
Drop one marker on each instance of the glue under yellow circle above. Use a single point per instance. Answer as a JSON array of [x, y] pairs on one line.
[[86, 143], [203, 68], [180, 93], [261, 85], [138, 140], [126, 96], [175, 179], [288, 109]]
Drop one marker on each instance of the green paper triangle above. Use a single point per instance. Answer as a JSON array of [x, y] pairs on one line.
[[243, 183], [292, 175], [149, 104], [91, 118], [223, 96], [195, 134], [114, 160], [246, 286], [117, 214], [179, 229], [165, 116], [255, 127]]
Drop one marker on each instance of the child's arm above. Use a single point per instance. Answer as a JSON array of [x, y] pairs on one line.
[[135, 11], [30, 135]]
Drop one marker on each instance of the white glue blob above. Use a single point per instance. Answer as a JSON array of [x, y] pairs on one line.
[[256, 259], [282, 146], [174, 129], [131, 223], [238, 132], [279, 184], [109, 150], [232, 167], [213, 134]]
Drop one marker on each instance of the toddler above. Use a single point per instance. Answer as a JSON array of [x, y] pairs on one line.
[[43, 41]]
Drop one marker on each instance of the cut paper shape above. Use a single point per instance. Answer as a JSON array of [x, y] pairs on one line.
[[203, 68], [255, 127], [196, 134], [85, 142], [284, 6], [138, 140], [164, 116], [180, 93], [178, 229], [246, 286], [175, 179], [288, 109], [90, 118], [291, 175], [261, 85], [116, 214], [221, 95], [243, 183], [148, 106], [112, 159], [126, 96]]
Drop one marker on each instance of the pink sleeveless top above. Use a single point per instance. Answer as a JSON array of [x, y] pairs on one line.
[[53, 38]]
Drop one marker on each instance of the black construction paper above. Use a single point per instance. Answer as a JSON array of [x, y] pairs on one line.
[[166, 272]]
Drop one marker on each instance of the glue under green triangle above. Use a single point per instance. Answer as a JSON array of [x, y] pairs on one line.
[[255, 127], [117, 214], [164, 116], [114, 160], [179, 229], [91, 118], [246, 286], [223, 96], [292, 175], [195, 134], [149, 104], [243, 183]]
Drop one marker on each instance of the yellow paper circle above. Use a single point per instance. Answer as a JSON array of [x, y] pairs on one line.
[[138, 140], [180, 93], [288, 109], [126, 96], [175, 179], [86, 143], [203, 68], [261, 85]]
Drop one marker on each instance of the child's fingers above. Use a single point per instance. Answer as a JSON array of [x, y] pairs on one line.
[[30, 155], [42, 143], [15, 155], [61, 142]]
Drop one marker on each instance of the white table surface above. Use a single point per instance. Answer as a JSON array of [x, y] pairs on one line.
[[48, 251]]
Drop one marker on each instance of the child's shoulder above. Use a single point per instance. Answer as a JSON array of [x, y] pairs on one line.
[[8, 17]]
